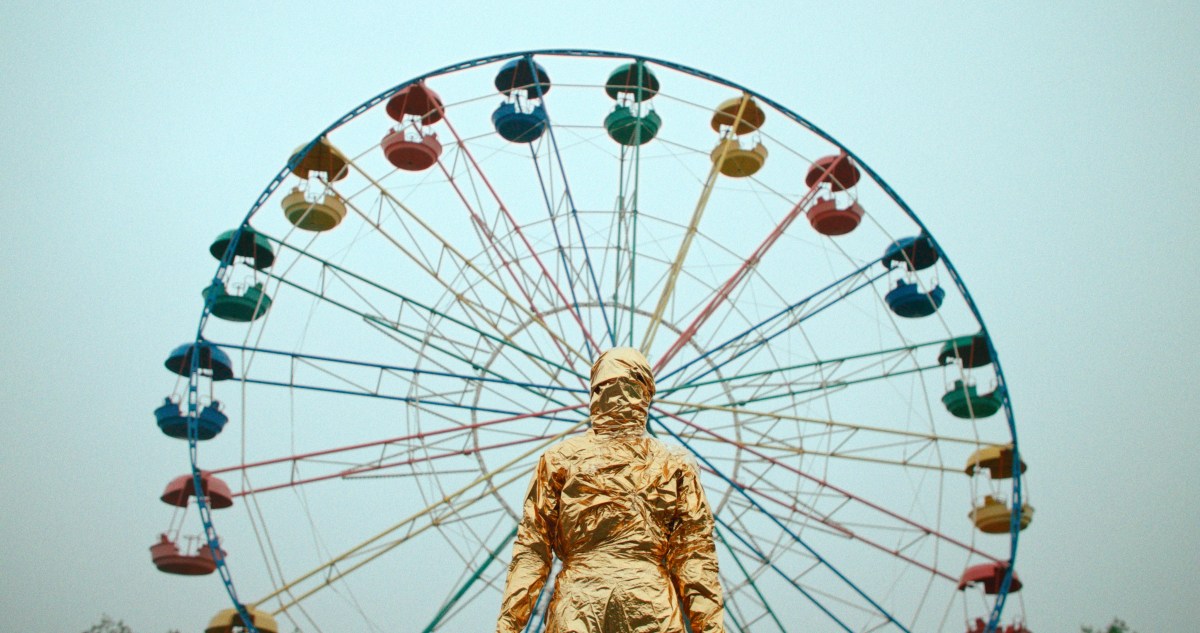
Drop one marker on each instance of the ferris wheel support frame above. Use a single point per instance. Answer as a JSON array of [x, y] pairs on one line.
[[210, 532]]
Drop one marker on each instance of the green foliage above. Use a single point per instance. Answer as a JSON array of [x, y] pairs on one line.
[[1117, 626], [109, 625]]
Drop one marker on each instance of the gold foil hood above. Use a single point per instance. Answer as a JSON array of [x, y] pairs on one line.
[[627, 517]]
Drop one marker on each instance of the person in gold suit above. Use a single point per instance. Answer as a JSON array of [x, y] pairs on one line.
[[627, 517]]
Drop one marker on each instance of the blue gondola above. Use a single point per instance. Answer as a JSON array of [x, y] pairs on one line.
[[518, 126], [915, 253], [173, 422], [519, 74], [908, 301], [213, 361]]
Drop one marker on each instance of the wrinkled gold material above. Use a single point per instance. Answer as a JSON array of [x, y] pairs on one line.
[[626, 516]]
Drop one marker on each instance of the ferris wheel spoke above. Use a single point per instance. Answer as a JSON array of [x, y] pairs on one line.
[[705, 461], [668, 289], [446, 502], [406, 399], [372, 384], [363, 555], [433, 400], [816, 480], [516, 228], [822, 386], [413, 441], [750, 415], [760, 429], [420, 332], [397, 369], [772, 558], [751, 339], [892, 355], [744, 270], [564, 260], [492, 244], [494, 581], [849, 453], [836, 527], [463, 261], [369, 469], [785, 500], [574, 211], [466, 586], [750, 581], [476, 307], [347, 276], [764, 559], [625, 239], [510, 263]]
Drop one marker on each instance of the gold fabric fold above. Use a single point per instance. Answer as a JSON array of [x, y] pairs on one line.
[[627, 517]]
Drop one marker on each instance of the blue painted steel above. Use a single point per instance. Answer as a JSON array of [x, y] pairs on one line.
[[774, 519], [519, 74], [762, 557], [768, 339], [562, 253], [750, 580], [278, 179], [914, 253], [587, 258], [210, 358], [907, 300], [405, 399], [417, 304], [174, 423], [398, 368], [763, 323], [517, 126]]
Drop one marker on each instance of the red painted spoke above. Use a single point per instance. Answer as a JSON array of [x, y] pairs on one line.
[[402, 438], [505, 263], [517, 229], [742, 272], [825, 484], [358, 470], [838, 527]]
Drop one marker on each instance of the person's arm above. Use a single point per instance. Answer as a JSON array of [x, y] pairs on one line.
[[692, 557], [532, 551]]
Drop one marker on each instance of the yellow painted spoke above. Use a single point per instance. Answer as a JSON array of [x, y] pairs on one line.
[[465, 261], [693, 226], [796, 450], [445, 501]]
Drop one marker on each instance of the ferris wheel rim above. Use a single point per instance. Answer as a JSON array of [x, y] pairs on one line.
[[226, 260]]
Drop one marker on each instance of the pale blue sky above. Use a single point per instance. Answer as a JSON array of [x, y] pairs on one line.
[[1049, 146]]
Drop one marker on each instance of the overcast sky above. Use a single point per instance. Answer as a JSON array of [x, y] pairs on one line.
[[1051, 147]]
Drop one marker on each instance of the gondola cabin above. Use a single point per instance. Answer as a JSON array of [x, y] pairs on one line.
[[168, 558], [174, 423], [230, 621]]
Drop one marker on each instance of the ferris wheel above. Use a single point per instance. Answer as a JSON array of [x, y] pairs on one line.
[[406, 319]]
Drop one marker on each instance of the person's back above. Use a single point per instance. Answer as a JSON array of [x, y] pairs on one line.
[[627, 517]]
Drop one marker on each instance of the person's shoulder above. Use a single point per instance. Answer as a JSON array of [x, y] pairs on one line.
[[567, 447], [677, 456]]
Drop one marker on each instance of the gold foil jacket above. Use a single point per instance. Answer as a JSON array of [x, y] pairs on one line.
[[625, 515]]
